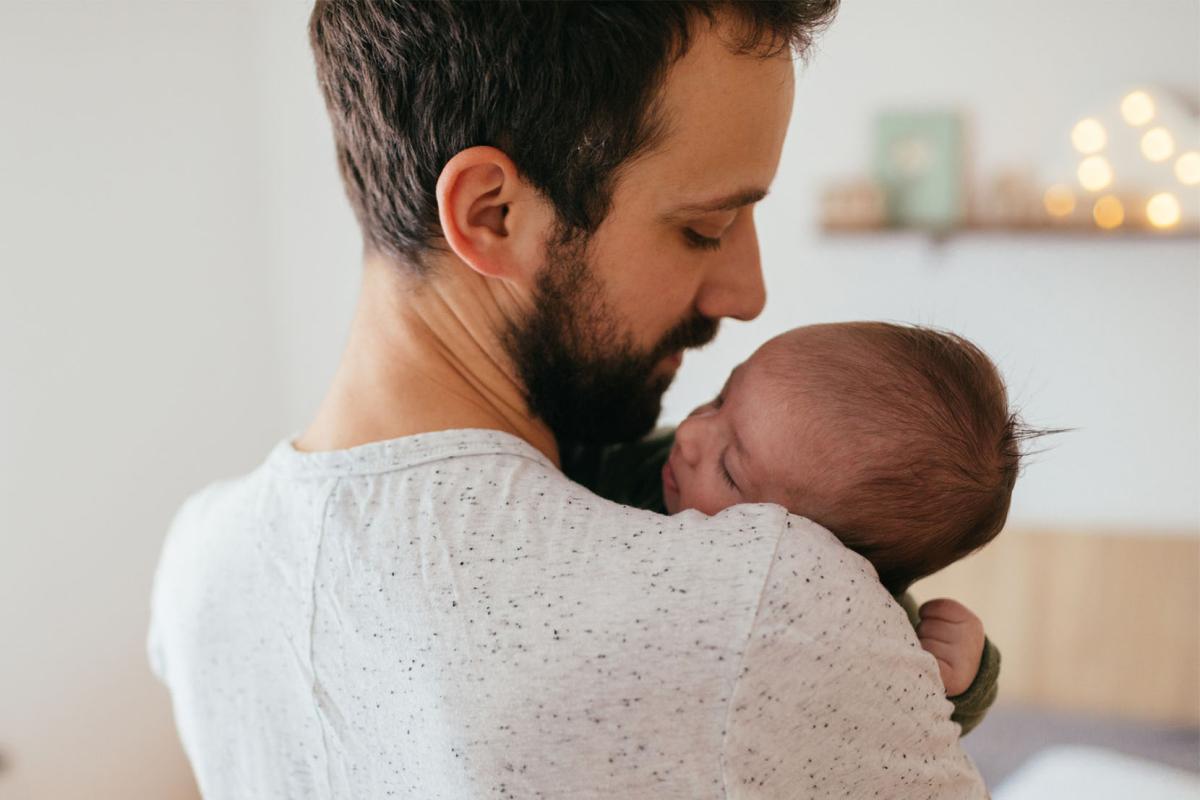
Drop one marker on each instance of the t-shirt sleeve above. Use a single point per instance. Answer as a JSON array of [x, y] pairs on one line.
[[154, 651], [161, 588], [834, 696]]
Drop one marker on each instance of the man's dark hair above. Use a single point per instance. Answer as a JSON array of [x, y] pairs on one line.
[[936, 449], [567, 90]]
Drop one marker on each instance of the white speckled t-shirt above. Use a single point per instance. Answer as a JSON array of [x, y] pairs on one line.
[[447, 616]]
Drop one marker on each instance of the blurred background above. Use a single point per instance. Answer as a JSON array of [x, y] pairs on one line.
[[180, 266]]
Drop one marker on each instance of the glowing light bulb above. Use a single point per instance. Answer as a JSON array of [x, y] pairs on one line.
[[1089, 136], [1094, 173], [1059, 200], [1137, 108], [1163, 210], [1158, 144], [1187, 168], [1108, 212]]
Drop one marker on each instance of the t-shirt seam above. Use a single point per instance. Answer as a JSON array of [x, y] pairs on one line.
[[746, 649], [322, 473], [312, 623]]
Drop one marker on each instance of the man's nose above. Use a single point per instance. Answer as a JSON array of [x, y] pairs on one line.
[[734, 286]]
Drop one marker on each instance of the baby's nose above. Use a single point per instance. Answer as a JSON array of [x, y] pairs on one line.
[[687, 439]]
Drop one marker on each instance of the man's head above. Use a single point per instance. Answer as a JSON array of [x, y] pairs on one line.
[[597, 162], [897, 438]]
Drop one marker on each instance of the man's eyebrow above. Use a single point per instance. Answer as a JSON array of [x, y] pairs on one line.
[[727, 203]]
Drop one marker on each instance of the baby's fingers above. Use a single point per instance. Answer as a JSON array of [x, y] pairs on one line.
[[948, 667], [942, 651], [945, 609], [940, 631]]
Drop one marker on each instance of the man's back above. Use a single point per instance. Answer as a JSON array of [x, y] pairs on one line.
[[446, 616]]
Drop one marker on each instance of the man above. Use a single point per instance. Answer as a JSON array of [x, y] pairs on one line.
[[409, 598]]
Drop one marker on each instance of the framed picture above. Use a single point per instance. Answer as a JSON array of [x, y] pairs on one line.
[[919, 164]]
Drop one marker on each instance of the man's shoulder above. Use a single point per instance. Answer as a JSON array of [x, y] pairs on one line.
[[808, 542], [223, 497], [813, 570], [519, 480], [832, 668]]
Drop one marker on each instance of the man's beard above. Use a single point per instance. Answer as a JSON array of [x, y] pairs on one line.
[[583, 375]]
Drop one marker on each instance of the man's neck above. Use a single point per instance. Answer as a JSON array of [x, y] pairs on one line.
[[425, 356]]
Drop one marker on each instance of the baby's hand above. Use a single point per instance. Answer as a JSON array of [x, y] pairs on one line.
[[954, 636]]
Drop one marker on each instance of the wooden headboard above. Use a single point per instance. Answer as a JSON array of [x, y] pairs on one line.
[[1092, 621]]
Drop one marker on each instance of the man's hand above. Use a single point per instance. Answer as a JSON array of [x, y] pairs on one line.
[[954, 636]]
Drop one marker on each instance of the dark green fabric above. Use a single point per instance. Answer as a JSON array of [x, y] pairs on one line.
[[631, 474]]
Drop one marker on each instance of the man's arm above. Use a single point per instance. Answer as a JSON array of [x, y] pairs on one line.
[[834, 697], [632, 474]]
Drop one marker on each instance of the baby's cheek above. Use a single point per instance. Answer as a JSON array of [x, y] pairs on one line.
[[688, 496], [709, 499], [698, 495]]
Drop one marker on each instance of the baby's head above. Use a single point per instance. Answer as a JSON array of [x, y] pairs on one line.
[[898, 439]]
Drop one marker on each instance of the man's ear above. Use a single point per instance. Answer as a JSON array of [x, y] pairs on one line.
[[492, 219]]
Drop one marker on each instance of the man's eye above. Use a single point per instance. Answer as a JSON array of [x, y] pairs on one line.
[[702, 242]]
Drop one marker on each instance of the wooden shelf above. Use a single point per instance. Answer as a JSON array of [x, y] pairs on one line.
[[1049, 229]]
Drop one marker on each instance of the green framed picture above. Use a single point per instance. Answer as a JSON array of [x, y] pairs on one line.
[[919, 164]]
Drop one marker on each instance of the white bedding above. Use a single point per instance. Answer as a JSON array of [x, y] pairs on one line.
[[1066, 771]]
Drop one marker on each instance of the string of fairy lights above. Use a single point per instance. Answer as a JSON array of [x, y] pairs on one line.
[[1096, 176]]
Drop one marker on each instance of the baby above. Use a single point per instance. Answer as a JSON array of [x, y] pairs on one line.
[[898, 439]]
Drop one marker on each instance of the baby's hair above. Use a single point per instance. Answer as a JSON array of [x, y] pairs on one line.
[[937, 449]]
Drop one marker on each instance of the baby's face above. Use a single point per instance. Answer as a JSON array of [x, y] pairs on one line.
[[733, 449]]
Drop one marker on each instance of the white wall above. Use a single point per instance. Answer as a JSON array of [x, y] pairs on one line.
[[313, 244], [137, 361], [179, 267]]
